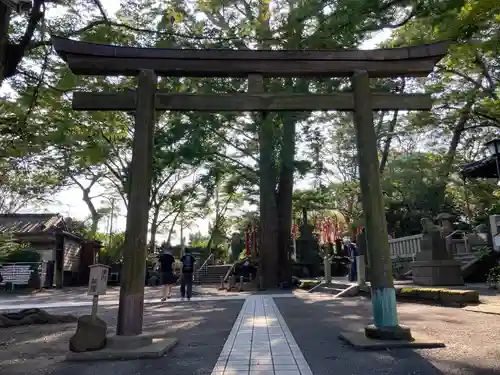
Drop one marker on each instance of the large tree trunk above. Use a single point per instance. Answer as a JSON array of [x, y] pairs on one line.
[[171, 231], [388, 141], [268, 262], [4, 39], [452, 149], [94, 215], [284, 201]]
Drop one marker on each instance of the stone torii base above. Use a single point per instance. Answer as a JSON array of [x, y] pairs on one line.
[[128, 348]]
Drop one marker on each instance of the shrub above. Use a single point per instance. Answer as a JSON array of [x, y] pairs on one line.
[[494, 277], [22, 255]]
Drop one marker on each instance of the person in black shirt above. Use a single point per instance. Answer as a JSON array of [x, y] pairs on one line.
[[167, 277], [188, 261]]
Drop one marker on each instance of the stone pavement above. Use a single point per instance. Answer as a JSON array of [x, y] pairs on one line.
[[281, 334], [260, 343]]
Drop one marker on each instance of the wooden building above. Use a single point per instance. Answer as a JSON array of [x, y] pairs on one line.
[[66, 255]]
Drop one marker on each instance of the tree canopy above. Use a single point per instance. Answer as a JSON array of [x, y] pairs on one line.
[[207, 165]]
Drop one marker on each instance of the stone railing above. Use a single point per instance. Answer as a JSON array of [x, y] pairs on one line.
[[405, 247]]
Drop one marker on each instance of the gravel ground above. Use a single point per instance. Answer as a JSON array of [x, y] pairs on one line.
[[201, 327], [471, 339]]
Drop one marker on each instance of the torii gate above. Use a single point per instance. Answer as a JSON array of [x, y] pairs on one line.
[[146, 63]]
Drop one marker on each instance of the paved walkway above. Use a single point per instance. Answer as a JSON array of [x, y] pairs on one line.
[[260, 343]]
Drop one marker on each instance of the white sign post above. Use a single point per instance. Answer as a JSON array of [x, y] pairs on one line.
[[98, 282]]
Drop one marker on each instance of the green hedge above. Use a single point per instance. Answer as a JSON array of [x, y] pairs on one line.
[[443, 295], [22, 255]]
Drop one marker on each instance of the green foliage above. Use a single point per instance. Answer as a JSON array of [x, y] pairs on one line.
[[112, 249], [9, 248], [201, 159], [15, 254], [493, 278]]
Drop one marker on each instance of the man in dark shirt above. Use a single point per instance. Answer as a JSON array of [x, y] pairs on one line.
[[188, 261], [167, 277]]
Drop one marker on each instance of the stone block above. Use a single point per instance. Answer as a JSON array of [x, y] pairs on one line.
[[128, 348], [459, 296], [437, 272], [388, 333], [90, 335], [359, 341]]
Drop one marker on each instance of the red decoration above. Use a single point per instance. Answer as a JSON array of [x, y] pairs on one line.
[[326, 227]]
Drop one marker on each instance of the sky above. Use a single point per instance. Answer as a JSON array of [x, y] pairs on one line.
[[70, 203]]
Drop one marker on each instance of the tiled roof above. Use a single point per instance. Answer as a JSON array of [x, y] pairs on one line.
[[26, 223]]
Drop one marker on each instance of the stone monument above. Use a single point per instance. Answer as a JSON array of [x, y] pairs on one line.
[[434, 263], [307, 246]]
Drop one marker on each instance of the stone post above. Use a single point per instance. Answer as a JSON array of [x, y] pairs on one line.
[[382, 286], [328, 269], [130, 310], [362, 258]]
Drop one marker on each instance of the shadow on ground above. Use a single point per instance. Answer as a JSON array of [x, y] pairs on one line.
[[201, 327], [71, 295], [316, 324]]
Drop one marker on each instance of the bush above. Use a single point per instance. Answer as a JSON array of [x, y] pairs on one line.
[[493, 279], [22, 255]]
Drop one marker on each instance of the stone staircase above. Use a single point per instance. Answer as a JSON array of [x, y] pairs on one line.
[[211, 274]]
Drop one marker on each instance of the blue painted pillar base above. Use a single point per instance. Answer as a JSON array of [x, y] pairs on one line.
[[385, 313], [384, 307]]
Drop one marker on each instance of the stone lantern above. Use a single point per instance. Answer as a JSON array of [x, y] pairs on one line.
[[445, 219]]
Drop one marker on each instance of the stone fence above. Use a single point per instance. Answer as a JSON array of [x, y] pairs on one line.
[[405, 247]]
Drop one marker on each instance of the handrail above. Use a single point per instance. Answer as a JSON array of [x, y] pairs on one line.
[[465, 238], [229, 271], [458, 231], [203, 266], [206, 261]]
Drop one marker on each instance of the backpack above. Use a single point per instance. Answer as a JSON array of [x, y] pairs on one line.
[[187, 263]]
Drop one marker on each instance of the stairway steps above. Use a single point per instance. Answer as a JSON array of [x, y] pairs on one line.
[[212, 274]]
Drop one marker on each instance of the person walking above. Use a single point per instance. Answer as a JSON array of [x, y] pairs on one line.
[[167, 277], [352, 250], [187, 261]]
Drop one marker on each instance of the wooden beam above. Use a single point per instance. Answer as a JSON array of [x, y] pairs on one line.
[[110, 66], [100, 59], [126, 101]]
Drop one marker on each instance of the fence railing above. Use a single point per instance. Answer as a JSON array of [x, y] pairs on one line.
[[203, 270], [405, 247]]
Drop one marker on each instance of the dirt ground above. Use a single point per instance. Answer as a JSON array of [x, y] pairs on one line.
[[471, 338], [41, 349]]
